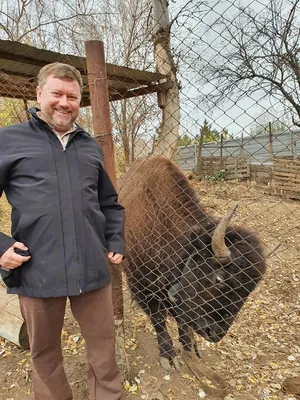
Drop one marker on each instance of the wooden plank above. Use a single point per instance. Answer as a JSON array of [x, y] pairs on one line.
[[287, 179], [287, 170], [244, 172], [126, 94], [12, 325], [287, 174], [286, 161], [286, 166], [235, 167]]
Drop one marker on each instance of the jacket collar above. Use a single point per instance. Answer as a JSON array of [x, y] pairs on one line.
[[33, 112]]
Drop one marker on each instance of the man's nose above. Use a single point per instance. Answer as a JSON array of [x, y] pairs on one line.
[[63, 101]]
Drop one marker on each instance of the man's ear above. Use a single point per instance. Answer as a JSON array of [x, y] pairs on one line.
[[38, 94]]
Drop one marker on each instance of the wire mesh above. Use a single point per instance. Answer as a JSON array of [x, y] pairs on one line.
[[228, 117]]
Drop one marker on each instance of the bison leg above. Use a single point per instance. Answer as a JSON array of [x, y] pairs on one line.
[[165, 344], [186, 338]]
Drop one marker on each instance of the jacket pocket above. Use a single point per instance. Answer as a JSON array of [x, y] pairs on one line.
[[41, 233], [31, 228]]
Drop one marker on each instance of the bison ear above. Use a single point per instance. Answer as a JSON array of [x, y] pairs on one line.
[[172, 292], [194, 232]]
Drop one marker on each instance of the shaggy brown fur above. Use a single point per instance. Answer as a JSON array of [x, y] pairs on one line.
[[169, 255]]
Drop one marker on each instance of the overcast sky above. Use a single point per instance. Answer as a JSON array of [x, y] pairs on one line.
[[236, 117]]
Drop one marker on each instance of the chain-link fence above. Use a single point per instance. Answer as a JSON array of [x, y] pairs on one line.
[[202, 291]]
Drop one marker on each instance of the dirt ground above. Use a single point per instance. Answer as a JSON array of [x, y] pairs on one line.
[[253, 362]]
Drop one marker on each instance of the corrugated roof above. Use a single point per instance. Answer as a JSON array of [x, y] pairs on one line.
[[20, 64]]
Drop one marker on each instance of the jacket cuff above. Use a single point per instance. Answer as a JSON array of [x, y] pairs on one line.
[[5, 242], [116, 249]]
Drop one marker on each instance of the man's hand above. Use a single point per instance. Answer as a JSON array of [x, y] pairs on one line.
[[115, 258], [11, 260]]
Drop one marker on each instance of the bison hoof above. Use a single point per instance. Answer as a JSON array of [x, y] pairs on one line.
[[165, 363]]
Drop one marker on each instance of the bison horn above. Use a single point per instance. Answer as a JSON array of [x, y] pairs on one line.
[[218, 245]]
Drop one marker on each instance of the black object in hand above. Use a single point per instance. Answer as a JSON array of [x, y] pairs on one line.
[[12, 278], [21, 252]]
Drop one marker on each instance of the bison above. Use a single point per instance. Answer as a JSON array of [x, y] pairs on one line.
[[183, 261]]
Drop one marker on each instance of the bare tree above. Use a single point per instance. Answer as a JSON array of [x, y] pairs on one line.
[[61, 26], [169, 101], [64, 26], [259, 53], [47, 24], [267, 120], [128, 43]]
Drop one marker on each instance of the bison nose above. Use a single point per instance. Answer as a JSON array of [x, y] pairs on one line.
[[212, 335], [206, 329], [215, 332]]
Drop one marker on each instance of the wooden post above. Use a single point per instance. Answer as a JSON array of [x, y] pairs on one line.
[[98, 86], [242, 145], [270, 140], [293, 145], [199, 159], [221, 152], [12, 325]]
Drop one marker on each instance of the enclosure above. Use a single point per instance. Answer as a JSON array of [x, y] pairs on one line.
[[213, 86]]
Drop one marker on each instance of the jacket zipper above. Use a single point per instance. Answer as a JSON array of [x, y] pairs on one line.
[[79, 272]]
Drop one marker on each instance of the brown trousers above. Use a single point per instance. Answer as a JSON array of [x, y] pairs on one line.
[[94, 314]]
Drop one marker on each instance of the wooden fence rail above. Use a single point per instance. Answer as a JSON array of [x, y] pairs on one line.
[[280, 177], [286, 177], [233, 167]]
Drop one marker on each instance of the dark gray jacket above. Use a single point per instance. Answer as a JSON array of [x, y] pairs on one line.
[[64, 209]]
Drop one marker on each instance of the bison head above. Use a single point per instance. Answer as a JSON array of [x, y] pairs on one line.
[[221, 270]]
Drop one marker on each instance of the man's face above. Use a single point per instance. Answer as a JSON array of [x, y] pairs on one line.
[[59, 102]]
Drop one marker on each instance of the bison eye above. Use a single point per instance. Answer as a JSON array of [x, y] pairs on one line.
[[219, 279]]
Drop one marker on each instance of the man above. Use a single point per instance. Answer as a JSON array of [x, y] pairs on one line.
[[66, 214]]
